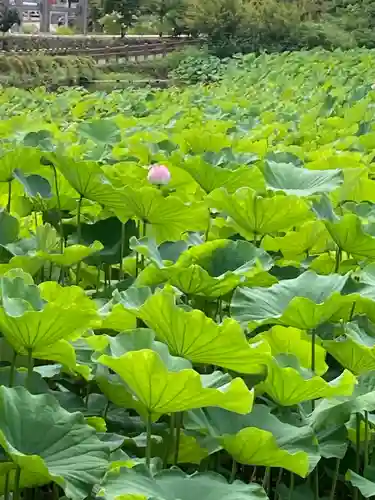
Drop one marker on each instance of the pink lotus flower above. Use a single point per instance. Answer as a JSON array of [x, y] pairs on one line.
[[159, 174]]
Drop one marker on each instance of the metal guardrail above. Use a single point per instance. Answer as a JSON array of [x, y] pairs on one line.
[[123, 52]]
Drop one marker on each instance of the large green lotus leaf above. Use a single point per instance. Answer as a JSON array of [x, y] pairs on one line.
[[289, 386], [52, 445], [19, 293], [303, 302], [354, 348], [103, 131], [222, 256], [349, 234], [363, 434], [326, 264], [251, 214], [149, 249], [173, 484], [71, 255], [310, 238], [300, 181], [133, 298], [60, 352], [338, 411], [161, 391], [357, 187], [365, 281], [365, 486], [65, 313], [28, 264], [88, 179], [252, 446], [136, 340], [216, 423], [192, 335], [211, 177], [22, 158], [212, 269], [167, 218], [283, 340], [9, 228], [35, 186], [116, 317], [189, 451], [116, 391], [194, 280]]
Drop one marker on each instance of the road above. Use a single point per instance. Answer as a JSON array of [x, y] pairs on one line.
[[93, 35]]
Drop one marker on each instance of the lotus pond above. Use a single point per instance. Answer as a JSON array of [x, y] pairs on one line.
[[208, 336]]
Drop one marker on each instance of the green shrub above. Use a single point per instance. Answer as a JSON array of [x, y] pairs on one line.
[[199, 69], [34, 70], [243, 26], [326, 34], [111, 23], [65, 30], [29, 29]]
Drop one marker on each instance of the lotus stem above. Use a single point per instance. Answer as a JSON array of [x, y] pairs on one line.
[[109, 272], [313, 339], [12, 369], [352, 311], [50, 271], [98, 278], [233, 471], [149, 441], [207, 232], [121, 272], [358, 443], [136, 253], [79, 207], [55, 492], [179, 418], [30, 368], [17, 491], [267, 480], [144, 227], [59, 209], [9, 195], [334, 479], [291, 486], [278, 481], [366, 441], [6, 486], [169, 447], [253, 475], [316, 482], [338, 259]]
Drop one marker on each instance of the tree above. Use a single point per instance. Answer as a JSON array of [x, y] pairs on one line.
[[9, 16], [169, 13], [128, 11]]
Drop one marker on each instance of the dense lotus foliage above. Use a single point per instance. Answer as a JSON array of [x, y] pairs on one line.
[[187, 287]]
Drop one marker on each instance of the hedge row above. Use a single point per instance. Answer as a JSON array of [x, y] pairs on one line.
[[33, 70]]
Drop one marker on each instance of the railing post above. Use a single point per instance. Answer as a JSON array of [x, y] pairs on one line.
[[146, 53]]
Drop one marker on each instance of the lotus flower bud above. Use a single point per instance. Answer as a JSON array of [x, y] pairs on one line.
[[159, 174]]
